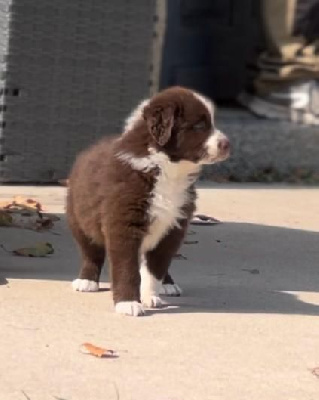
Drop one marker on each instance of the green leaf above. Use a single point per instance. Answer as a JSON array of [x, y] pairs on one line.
[[41, 249]]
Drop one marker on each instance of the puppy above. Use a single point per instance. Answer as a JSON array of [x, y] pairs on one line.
[[131, 197]]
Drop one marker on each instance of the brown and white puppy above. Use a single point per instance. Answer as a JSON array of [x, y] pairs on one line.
[[132, 197]]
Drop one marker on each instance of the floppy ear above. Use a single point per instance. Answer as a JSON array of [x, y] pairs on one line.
[[160, 122]]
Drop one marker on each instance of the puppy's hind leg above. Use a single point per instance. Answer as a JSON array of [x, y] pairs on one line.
[[123, 255], [169, 287], [93, 257]]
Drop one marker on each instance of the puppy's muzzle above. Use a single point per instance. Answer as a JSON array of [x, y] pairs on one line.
[[223, 146]]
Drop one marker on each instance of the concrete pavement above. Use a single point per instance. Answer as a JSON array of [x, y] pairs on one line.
[[247, 326]]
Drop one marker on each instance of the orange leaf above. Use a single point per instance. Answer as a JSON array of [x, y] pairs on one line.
[[88, 348], [27, 202]]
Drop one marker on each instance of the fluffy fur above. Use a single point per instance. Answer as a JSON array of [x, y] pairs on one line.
[[132, 196]]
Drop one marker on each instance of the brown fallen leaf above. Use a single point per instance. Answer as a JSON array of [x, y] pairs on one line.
[[88, 348], [12, 207], [26, 213], [24, 219], [20, 202], [28, 202], [41, 249]]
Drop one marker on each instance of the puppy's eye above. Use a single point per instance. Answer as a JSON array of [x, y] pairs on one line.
[[199, 126]]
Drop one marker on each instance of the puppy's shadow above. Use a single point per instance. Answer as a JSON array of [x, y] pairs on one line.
[[229, 268], [239, 300], [247, 268], [102, 290]]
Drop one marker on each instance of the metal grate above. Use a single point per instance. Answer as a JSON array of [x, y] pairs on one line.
[[71, 71]]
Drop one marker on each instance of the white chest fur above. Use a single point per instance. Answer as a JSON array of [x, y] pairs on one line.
[[169, 195]]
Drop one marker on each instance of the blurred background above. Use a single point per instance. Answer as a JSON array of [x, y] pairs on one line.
[[72, 70]]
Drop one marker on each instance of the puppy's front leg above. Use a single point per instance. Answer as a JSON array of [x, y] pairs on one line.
[[123, 254], [156, 267]]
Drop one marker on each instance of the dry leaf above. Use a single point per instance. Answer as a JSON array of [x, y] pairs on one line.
[[25, 213], [24, 219], [20, 202], [28, 202], [41, 249], [88, 348], [14, 207]]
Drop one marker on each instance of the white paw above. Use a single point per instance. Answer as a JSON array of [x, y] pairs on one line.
[[133, 308], [84, 285], [153, 302], [171, 290]]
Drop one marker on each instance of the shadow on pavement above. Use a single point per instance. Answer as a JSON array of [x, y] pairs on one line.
[[234, 268]]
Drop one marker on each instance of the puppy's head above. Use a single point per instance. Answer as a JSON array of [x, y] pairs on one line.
[[181, 124]]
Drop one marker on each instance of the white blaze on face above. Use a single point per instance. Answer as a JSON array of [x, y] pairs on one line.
[[207, 103], [212, 144]]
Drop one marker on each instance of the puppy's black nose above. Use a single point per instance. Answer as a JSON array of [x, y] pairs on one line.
[[224, 145]]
